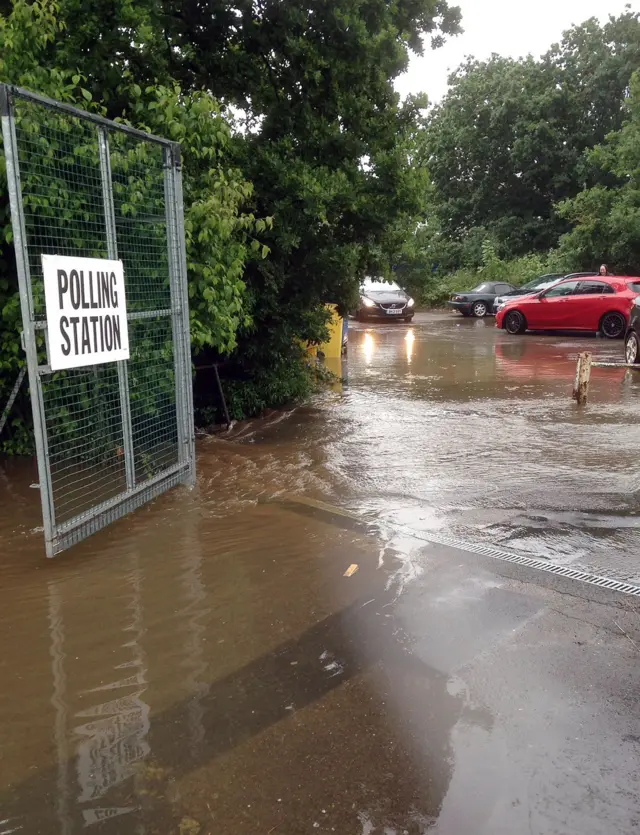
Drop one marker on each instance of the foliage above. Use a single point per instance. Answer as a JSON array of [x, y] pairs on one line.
[[313, 84], [219, 235], [518, 271], [332, 160], [606, 220], [320, 184], [24, 35], [507, 143]]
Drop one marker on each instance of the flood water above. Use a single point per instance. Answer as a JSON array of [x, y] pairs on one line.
[[204, 665]]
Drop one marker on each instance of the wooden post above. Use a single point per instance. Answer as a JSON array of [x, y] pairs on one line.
[[583, 375]]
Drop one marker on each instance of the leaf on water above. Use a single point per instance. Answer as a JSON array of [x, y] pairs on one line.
[[189, 826]]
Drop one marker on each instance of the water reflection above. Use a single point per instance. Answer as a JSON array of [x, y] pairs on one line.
[[59, 703], [368, 347], [468, 430], [193, 616], [194, 660], [336, 366], [409, 342], [114, 741]]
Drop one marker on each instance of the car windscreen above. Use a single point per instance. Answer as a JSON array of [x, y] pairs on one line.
[[373, 286], [545, 284], [540, 283], [634, 285], [482, 288]]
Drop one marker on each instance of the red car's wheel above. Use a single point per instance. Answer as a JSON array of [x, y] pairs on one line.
[[514, 322], [613, 325]]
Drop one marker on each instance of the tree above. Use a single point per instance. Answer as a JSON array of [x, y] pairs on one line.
[[220, 236], [326, 149], [508, 141], [329, 152], [606, 219]]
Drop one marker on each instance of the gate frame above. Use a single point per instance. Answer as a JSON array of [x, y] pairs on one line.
[[58, 537]]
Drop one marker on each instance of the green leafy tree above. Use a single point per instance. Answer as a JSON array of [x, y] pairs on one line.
[[220, 235], [26, 34], [606, 219], [286, 212], [326, 144], [508, 141]]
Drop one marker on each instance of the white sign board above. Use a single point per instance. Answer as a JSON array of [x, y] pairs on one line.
[[86, 311]]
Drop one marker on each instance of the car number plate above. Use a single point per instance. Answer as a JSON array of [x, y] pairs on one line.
[[394, 312]]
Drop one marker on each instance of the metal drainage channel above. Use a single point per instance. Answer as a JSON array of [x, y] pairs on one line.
[[542, 565]]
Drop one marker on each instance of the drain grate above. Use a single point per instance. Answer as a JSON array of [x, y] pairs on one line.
[[529, 562]]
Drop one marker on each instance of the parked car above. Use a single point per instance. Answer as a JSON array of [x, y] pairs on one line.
[[479, 301], [535, 286], [592, 304], [632, 336], [384, 300]]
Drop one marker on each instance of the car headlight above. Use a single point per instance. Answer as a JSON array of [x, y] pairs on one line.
[[410, 303], [368, 303]]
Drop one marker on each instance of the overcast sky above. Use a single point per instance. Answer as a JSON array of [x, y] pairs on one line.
[[508, 27]]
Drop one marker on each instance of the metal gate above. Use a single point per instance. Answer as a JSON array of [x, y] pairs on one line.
[[109, 437]]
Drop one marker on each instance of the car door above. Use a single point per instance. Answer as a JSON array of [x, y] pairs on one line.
[[488, 294], [589, 303], [552, 310], [500, 288]]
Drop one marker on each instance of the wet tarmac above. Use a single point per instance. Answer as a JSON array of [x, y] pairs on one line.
[[205, 666]]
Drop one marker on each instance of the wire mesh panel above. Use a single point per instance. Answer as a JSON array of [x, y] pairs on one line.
[[112, 435]]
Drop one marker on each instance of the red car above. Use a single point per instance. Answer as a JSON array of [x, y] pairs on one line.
[[602, 303]]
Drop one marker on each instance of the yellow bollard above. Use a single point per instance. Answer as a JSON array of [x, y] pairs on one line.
[[333, 348]]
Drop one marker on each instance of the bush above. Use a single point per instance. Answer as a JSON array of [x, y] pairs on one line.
[[437, 290]]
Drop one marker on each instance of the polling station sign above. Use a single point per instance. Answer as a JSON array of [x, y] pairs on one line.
[[86, 311]]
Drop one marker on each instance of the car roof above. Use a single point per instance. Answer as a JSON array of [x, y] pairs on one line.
[[548, 279], [595, 276], [585, 275]]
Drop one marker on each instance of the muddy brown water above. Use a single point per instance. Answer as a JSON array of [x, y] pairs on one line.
[[205, 666]]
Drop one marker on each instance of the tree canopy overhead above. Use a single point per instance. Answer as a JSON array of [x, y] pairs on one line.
[[282, 216]]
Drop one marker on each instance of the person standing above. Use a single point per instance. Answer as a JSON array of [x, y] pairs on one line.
[[604, 270]]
